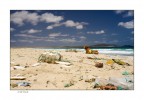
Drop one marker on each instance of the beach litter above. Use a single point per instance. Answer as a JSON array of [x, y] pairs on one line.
[[110, 62], [23, 84], [71, 50], [126, 73], [89, 51], [69, 84], [63, 63], [119, 62], [50, 57], [89, 78], [99, 65], [19, 67], [36, 64], [125, 83], [17, 78], [13, 85]]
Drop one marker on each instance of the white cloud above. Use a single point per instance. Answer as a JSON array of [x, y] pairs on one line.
[[31, 31], [68, 23], [82, 37], [27, 41], [20, 17], [54, 25], [25, 35], [96, 32], [68, 40], [51, 18], [53, 35], [119, 11], [100, 32], [34, 31], [125, 13], [50, 27], [79, 27], [24, 16], [12, 29], [128, 25], [129, 14]]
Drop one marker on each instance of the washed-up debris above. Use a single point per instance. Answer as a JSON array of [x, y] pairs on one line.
[[126, 73], [89, 51], [89, 79], [19, 67], [36, 64], [18, 78], [90, 58], [13, 85], [63, 63], [80, 78], [125, 83], [110, 62], [100, 58], [99, 65], [108, 87], [49, 57], [69, 84], [71, 50], [23, 84], [119, 62]]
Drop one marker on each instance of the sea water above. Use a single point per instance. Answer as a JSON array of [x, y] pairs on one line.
[[108, 51]]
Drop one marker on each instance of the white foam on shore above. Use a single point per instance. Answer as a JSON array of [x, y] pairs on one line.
[[124, 52]]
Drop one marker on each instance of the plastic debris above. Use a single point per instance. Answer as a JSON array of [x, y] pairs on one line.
[[19, 67], [119, 62], [23, 84], [112, 83], [13, 85], [18, 78], [89, 51], [127, 83], [125, 73], [71, 50], [110, 62], [69, 84], [49, 57], [99, 65], [63, 63], [36, 64], [89, 79]]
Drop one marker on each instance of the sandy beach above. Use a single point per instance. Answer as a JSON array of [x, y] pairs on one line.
[[56, 76]]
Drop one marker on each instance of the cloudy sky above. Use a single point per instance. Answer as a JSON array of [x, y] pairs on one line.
[[40, 28]]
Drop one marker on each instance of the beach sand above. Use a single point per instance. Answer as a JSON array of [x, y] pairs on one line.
[[56, 76]]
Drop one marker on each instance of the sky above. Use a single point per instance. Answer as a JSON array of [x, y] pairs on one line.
[[43, 28]]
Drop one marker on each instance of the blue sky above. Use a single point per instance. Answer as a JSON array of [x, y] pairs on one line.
[[41, 28]]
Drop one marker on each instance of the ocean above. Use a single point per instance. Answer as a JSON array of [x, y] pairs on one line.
[[108, 51]]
